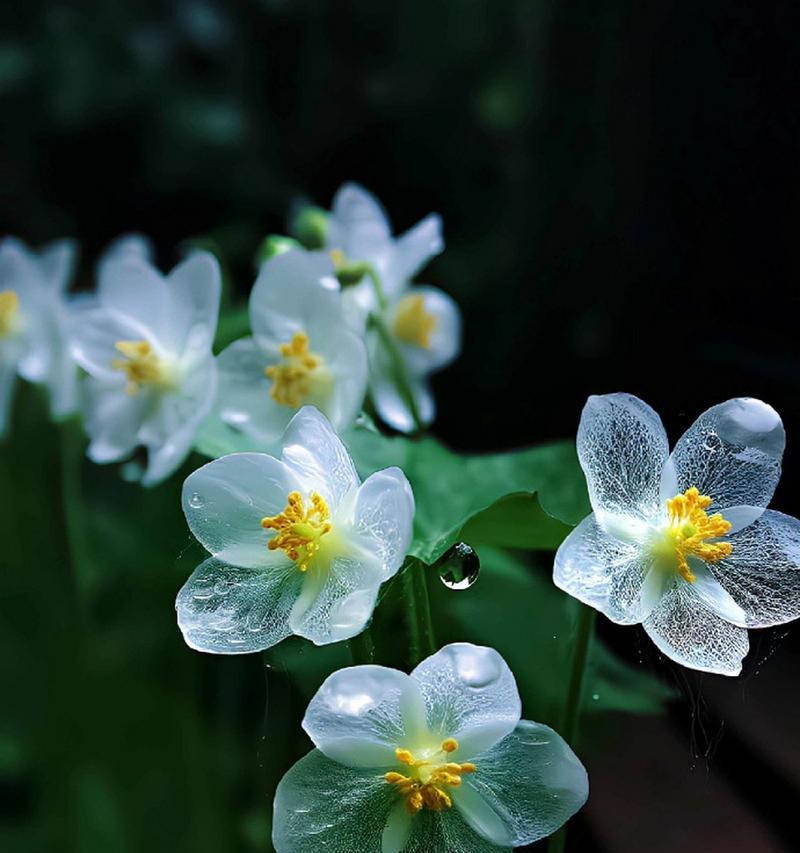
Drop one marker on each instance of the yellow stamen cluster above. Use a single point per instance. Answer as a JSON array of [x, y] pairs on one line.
[[300, 528], [9, 308], [412, 323], [291, 378], [140, 364], [427, 780], [689, 529]]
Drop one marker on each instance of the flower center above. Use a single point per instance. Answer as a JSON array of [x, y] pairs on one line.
[[300, 528], [412, 323], [688, 532], [300, 376], [9, 311], [141, 365], [427, 780]]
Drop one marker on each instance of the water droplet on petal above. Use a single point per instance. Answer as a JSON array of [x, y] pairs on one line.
[[196, 501], [459, 567]]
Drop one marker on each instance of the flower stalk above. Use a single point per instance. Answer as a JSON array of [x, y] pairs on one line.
[[422, 639]]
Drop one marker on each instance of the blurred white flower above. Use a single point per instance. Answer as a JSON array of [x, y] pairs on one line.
[[302, 352], [145, 341], [438, 760], [299, 545], [683, 543], [34, 323]]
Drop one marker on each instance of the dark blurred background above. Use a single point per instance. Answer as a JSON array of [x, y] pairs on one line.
[[619, 186]]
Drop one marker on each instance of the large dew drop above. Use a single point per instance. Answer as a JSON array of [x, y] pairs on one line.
[[459, 567]]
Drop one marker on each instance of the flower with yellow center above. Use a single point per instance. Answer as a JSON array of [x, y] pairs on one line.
[[141, 365], [299, 376], [9, 311], [682, 542], [413, 324], [436, 760], [299, 528]]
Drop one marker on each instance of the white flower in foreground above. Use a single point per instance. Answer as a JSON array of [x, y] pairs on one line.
[[683, 543], [438, 760], [302, 352], [299, 545], [34, 323], [145, 341]]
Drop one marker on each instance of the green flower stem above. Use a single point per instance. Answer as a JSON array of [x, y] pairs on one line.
[[383, 302], [570, 720], [399, 370], [422, 640], [362, 647]]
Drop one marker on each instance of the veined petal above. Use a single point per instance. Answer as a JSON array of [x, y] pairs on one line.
[[470, 695], [732, 453], [762, 573], [445, 339], [686, 630], [448, 831], [362, 714], [526, 787], [228, 610], [225, 500], [623, 449], [604, 572]]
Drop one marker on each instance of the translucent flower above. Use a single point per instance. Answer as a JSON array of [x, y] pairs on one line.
[[438, 760], [34, 323], [302, 352], [299, 545], [683, 543], [145, 341], [415, 330]]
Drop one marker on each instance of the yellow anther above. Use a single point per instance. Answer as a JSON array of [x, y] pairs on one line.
[[299, 528], [9, 310], [450, 745], [689, 531], [404, 756], [339, 258], [413, 324], [293, 378], [141, 365]]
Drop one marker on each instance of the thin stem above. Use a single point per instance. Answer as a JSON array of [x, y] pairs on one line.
[[362, 648], [422, 640], [378, 285]]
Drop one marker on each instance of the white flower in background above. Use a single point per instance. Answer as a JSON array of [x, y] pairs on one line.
[[416, 330], [34, 323], [683, 543], [145, 340], [299, 545], [438, 760], [302, 352]]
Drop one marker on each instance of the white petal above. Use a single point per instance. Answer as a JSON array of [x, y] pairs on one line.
[[604, 572], [129, 246], [225, 500], [228, 610], [445, 340], [713, 595], [113, 420], [762, 574], [470, 695], [346, 357], [416, 247], [57, 262], [390, 404], [622, 448], [313, 450], [362, 714], [447, 831], [358, 224], [732, 453], [686, 630], [531, 781], [397, 831], [94, 333], [194, 288]]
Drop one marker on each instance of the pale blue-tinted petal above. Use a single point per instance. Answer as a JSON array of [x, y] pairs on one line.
[[194, 288], [604, 572], [346, 358], [112, 419], [313, 450], [358, 224], [362, 714], [762, 574], [414, 248], [396, 833], [740, 517], [447, 831], [686, 630], [712, 594], [228, 610], [57, 261], [225, 500], [392, 405], [732, 453], [530, 784], [94, 333], [129, 247], [445, 340], [470, 695]]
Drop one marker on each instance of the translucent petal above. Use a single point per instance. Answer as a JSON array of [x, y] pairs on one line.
[[470, 695], [362, 714], [346, 357], [714, 595], [445, 340], [225, 500], [390, 404], [414, 248], [396, 833], [57, 262], [447, 831], [732, 453], [112, 419], [686, 630], [194, 288], [358, 224], [623, 448], [384, 517], [313, 450], [604, 572], [228, 610], [133, 246], [94, 334], [762, 574], [532, 781]]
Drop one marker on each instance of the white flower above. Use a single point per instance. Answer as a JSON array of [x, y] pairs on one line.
[[299, 545], [415, 330], [34, 323], [302, 352], [683, 543], [145, 341], [438, 760]]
